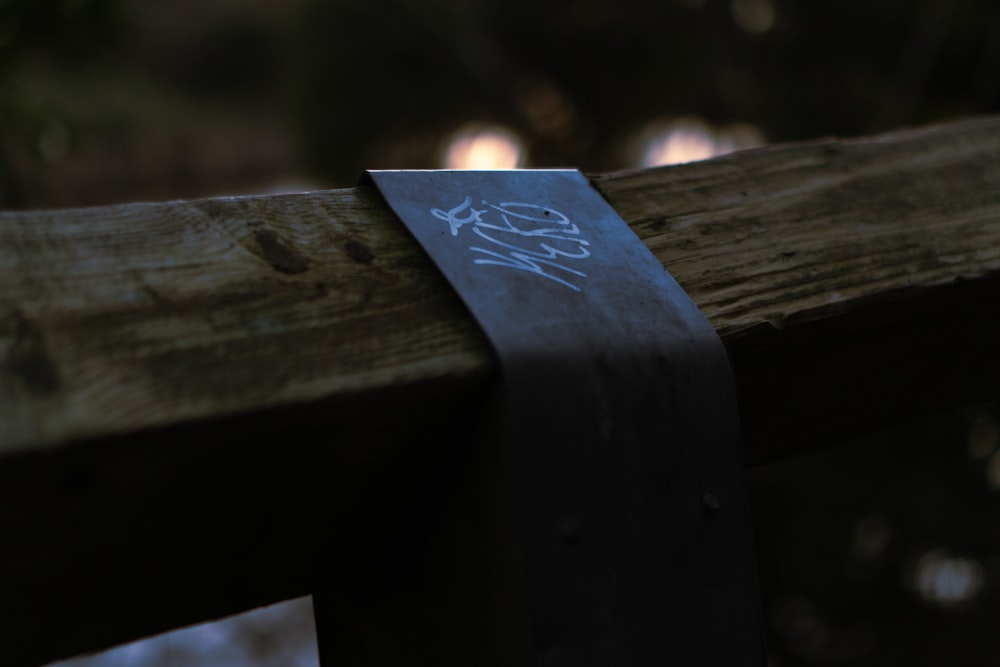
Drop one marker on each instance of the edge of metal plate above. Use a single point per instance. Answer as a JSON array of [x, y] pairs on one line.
[[633, 516]]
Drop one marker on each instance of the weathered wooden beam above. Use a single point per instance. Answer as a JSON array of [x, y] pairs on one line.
[[194, 394]]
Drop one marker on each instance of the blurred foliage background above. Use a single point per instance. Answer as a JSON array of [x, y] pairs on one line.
[[109, 100], [883, 551]]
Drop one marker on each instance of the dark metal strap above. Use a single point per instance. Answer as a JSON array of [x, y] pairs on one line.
[[637, 540]]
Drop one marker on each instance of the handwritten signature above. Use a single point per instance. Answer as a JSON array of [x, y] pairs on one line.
[[530, 238]]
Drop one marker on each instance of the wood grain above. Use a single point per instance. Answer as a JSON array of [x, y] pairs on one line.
[[195, 396]]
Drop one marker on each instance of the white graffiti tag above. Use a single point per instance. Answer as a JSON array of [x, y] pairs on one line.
[[521, 236]]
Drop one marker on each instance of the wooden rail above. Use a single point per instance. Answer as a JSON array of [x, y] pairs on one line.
[[195, 397]]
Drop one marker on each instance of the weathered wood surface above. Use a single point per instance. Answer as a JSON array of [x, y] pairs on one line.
[[192, 394]]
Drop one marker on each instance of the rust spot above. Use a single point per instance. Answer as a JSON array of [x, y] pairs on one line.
[[279, 254], [28, 358], [359, 251]]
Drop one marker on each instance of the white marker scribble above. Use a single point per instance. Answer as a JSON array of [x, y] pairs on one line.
[[522, 236], [452, 216]]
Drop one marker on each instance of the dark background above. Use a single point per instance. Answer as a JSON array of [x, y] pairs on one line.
[[107, 100], [881, 551]]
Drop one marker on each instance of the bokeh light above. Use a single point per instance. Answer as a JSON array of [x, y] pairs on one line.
[[754, 16], [690, 138], [483, 148], [984, 436], [947, 581], [993, 471], [871, 537], [547, 108], [802, 628]]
